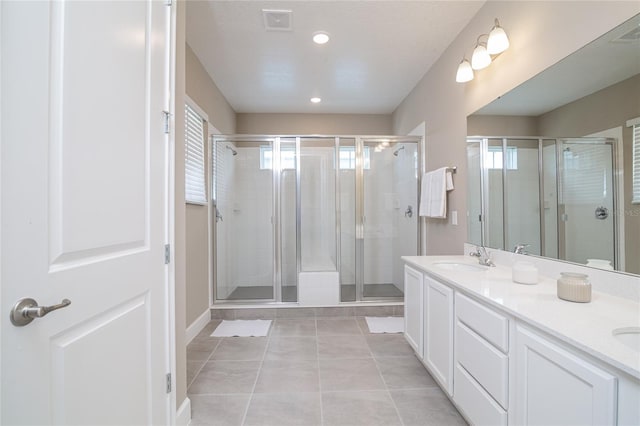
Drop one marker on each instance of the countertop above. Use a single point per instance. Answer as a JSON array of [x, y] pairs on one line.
[[587, 326]]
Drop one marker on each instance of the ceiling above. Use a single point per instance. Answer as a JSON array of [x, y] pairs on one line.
[[378, 52], [600, 64]]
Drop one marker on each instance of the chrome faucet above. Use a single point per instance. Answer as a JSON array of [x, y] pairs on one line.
[[484, 258], [520, 248]]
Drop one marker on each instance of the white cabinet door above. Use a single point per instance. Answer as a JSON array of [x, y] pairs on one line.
[[438, 333], [556, 387], [84, 211], [413, 308]]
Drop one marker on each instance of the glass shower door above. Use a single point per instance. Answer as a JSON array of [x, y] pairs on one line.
[[288, 222], [390, 215], [347, 218], [586, 208], [522, 189], [242, 205]]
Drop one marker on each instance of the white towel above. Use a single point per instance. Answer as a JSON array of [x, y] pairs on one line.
[[433, 193]]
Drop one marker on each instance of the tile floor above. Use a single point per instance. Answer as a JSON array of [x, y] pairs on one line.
[[317, 371]]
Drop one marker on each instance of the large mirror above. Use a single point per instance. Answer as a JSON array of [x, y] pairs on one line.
[[550, 164]]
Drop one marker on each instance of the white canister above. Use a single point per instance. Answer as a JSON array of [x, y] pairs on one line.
[[600, 263], [524, 273], [574, 287]]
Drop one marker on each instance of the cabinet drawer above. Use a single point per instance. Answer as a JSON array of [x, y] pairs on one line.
[[478, 406], [487, 323], [486, 364]]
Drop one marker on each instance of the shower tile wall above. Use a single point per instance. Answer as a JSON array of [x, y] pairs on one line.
[[318, 225]]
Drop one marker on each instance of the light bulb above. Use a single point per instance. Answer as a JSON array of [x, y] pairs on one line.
[[320, 37], [480, 58], [465, 72], [498, 41], [315, 100]]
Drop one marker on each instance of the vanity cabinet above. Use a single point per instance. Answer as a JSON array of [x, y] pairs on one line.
[[414, 308], [499, 369], [555, 387], [482, 363], [438, 332]]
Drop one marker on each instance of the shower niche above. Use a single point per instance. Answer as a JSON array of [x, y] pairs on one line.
[[316, 220]]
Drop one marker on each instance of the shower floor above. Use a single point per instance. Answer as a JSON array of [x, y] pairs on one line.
[[289, 293]]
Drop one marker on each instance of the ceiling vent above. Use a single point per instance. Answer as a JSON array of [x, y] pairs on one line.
[[277, 20], [629, 37]]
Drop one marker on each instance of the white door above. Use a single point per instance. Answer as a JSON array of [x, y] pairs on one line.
[[84, 211]]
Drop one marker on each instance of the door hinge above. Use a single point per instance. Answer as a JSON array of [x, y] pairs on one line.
[[168, 2], [167, 116], [168, 383], [167, 254]]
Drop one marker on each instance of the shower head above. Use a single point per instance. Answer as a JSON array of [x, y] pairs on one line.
[[232, 150], [398, 150]]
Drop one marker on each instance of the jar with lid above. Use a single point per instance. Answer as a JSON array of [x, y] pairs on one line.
[[574, 287]]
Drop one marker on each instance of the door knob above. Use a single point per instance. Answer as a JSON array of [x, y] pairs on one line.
[[27, 309]]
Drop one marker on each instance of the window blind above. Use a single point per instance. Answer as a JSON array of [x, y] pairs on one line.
[[194, 157], [636, 164]]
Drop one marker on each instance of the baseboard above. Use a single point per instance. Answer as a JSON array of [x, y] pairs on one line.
[[197, 326], [183, 416]]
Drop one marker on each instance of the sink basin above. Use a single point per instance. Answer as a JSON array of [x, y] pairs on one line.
[[455, 266], [630, 336]]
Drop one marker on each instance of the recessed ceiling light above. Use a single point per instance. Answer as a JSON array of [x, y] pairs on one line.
[[320, 37], [315, 100]]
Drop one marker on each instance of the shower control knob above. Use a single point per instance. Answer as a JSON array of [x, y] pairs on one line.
[[602, 213], [408, 212]]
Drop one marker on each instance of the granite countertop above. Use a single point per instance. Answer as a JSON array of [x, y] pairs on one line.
[[587, 326]]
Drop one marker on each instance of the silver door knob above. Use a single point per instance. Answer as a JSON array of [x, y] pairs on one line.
[[27, 309]]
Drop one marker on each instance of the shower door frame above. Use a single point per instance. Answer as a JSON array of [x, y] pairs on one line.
[[276, 283], [615, 189], [275, 141], [360, 212], [484, 184]]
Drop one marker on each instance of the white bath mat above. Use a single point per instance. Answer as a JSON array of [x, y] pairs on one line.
[[242, 328], [385, 324]]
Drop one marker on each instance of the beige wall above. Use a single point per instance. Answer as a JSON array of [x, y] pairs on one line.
[[502, 125], [203, 91], [606, 109], [541, 34], [309, 124]]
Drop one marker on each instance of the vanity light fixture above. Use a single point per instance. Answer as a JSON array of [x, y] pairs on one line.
[[320, 37], [497, 42], [315, 100], [465, 72], [480, 58]]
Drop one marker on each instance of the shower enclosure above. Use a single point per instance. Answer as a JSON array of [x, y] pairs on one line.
[[556, 195], [337, 211]]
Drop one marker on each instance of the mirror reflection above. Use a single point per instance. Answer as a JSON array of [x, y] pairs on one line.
[[568, 193]]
